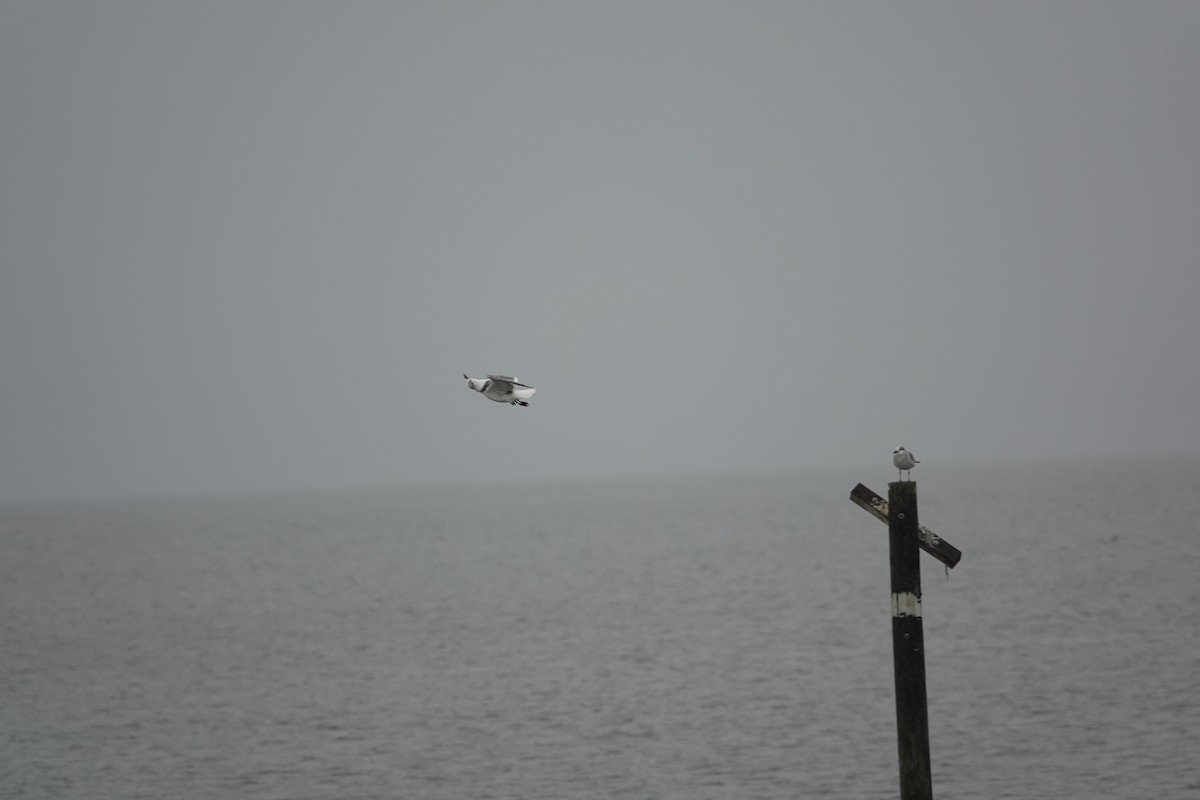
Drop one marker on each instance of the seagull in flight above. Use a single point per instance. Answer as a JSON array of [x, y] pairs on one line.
[[502, 389], [903, 461]]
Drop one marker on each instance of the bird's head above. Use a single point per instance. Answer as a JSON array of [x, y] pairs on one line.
[[470, 382], [898, 450]]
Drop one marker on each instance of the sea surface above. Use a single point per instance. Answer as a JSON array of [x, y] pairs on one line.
[[691, 638]]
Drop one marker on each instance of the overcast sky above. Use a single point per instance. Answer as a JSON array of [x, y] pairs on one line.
[[254, 246]]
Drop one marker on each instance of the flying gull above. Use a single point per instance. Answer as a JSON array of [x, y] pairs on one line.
[[502, 389]]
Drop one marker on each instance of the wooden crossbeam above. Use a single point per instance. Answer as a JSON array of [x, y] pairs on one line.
[[929, 541]]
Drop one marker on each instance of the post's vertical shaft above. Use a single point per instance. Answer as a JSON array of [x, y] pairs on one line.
[[908, 643]]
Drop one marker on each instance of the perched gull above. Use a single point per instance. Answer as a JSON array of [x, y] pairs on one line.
[[903, 461], [502, 389]]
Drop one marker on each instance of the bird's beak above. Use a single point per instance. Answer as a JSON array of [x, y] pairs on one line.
[[465, 376]]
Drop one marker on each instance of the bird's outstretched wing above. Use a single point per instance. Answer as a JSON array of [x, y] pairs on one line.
[[509, 380]]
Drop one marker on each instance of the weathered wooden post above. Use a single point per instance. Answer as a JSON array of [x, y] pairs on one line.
[[908, 643], [906, 537]]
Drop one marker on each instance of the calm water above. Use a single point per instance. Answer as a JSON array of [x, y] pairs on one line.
[[700, 638]]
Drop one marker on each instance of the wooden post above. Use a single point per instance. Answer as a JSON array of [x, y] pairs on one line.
[[908, 642], [906, 538]]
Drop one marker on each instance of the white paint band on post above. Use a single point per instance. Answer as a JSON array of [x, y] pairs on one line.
[[905, 604]]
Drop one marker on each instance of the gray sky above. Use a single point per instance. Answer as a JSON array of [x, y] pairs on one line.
[[252, 246]]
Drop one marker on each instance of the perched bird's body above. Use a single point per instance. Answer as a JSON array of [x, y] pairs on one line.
[[502, 389], [903, 461]]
